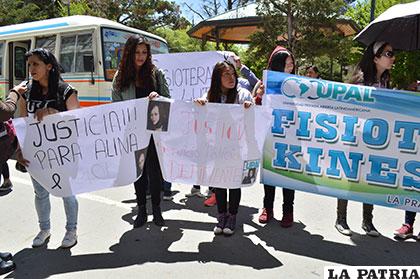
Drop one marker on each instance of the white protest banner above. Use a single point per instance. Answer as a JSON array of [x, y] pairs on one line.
[[104, 146], [189, 73], [215, 145], [343, 140], [85, 149]]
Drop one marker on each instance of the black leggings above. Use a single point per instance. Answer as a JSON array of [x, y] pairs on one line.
[[234, 199], [198, 187], [5, 171], [288, 198], [151, 178]]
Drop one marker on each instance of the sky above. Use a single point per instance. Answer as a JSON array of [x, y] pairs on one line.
[[186, 12]]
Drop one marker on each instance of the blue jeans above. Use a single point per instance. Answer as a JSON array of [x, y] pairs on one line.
[[43, 208]]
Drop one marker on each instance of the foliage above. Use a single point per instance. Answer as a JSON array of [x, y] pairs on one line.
[[77, 8], [360, 13], [406, 69], [179, 41], [210, 8], [19, 11], [311, 25], [146, 14]]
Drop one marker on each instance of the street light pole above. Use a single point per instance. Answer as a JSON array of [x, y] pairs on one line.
[[68, 7], [372, 9]]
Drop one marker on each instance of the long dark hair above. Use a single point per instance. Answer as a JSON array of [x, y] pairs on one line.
[[127, 74], [277, 61], [54, 75], [215, 92], [365, 71]]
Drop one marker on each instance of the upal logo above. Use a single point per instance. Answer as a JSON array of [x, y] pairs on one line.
[[313, 89]]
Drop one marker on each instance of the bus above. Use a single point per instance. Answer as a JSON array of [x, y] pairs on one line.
[[88, 48]]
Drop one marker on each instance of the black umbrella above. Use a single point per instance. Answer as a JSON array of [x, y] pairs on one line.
[[399, 25]]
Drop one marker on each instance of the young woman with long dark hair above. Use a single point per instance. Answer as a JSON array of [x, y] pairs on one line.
[[372, 70], [223, 89], [281, 60], [48, 94], [138, 77]]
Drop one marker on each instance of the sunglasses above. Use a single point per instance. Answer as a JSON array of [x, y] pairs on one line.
[[389, 54]]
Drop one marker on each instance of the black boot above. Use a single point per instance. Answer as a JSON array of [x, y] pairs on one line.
[[6, 266], [6, 256], [141, 217], [157, 216]]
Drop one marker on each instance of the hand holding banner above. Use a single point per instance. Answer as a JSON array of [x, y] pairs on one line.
[[348, 141], [99, 147]]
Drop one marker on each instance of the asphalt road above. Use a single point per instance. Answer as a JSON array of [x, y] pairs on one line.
[[186, 247]]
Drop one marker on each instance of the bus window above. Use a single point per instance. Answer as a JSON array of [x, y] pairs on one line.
[[20, 63], [113, 41], [46, 42], [84, 49], [73, 49], [1, 58]]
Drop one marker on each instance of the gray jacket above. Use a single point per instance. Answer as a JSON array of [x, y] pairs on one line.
[[130, 92]]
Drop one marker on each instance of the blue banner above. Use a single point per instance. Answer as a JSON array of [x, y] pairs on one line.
[[348, 141]]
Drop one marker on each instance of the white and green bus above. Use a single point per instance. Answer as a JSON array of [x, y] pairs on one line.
[[88, 48]]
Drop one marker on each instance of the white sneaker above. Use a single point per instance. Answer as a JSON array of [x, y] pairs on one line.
[[70, 239], [217, 230], [194, 192], [41, 238]]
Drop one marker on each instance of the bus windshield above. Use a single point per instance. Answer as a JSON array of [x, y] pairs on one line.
[[113, 41]]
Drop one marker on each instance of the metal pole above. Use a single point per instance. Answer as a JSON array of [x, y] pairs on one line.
[[372, 10], [68, 7]]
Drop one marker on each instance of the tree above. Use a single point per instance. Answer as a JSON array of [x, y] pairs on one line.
[[210, 8], [306, 27], [179, 41], [19, 11], [146, 14], [360, 13]]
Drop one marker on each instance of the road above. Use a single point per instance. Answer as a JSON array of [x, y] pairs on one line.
[[186, 247]]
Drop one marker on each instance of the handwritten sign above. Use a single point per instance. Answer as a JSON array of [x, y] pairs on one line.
[[189, 73], [105, 146]]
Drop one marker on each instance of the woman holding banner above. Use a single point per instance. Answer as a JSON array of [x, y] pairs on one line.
[[372, 70], [48, 94], [223, 89], [138, 77], [281, 60]]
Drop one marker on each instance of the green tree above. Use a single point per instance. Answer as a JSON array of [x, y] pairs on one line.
[[19, 11], [210, 8], [179, 41], [306, 27], [360, 12], [146, 14]]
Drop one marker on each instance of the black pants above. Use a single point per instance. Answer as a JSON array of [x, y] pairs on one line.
[[410, 217], [342, 210], [151, 178], [5, 171], [288, 198], [211, 189], [234, 199]]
